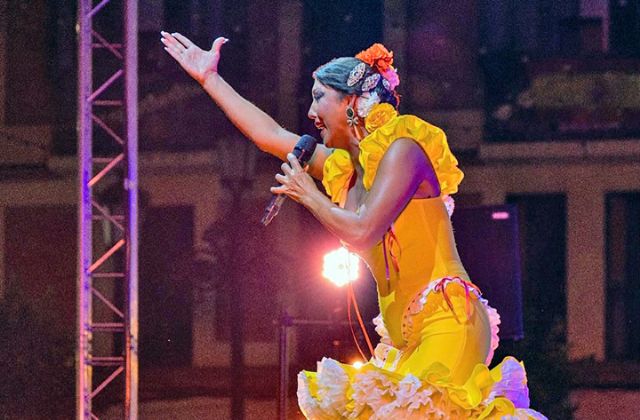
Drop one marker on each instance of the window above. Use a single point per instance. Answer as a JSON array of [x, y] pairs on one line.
[[168, 273], [560, 70], [623, 276], [29, 68], [543, 231]]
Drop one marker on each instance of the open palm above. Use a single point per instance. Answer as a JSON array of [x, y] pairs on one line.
[[197, 62]]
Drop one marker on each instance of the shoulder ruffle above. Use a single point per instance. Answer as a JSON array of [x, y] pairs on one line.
[[432, 140], [338, 167], [337, 172]]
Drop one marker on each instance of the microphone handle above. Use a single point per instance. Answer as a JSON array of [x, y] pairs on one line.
[[272, 208]]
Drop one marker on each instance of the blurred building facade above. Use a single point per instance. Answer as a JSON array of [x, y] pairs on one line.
[[539, 100]]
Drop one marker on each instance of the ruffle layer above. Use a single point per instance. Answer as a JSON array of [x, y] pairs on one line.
[[338, 167], [337, 172], [432, 140], [339, 391]]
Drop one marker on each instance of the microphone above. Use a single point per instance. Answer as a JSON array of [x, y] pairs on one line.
[[303, 150]]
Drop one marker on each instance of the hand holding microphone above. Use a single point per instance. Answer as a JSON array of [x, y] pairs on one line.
[[303, 151]]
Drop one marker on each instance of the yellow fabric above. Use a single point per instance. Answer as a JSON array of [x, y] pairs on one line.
[[379, 116], [426, 251], [426, 247], [447, 363], [445, 351], [338, 167], [337, 172], [440, 338]]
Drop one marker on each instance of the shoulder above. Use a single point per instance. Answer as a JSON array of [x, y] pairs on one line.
[[411, 134], [404, 151]]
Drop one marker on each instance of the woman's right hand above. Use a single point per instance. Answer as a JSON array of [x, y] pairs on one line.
[[198, 63]]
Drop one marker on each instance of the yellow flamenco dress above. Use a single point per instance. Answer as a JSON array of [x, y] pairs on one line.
[[437, 334]]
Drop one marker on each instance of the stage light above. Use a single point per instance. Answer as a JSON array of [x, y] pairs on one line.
[[341, 267], [357, 364], [500, 215]]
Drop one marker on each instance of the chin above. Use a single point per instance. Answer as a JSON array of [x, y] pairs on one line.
[[326, 140]]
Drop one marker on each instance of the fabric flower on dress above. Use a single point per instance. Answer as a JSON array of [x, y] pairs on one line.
[[379, 116]]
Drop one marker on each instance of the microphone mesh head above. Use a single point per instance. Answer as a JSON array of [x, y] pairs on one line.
[[304, 148]]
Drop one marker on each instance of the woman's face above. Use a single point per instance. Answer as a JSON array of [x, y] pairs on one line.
[[328, 111]]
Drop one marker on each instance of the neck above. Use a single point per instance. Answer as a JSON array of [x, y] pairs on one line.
[[356, 135]]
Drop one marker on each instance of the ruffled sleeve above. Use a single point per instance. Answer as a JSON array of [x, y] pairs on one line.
[[337, 172], [432, 140]]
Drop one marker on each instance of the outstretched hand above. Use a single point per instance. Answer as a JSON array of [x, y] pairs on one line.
[[198, 63]]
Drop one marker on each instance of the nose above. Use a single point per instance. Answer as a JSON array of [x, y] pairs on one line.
[[312, 113]]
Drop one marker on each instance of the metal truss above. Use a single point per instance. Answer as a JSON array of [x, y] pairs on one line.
[[107, 320]]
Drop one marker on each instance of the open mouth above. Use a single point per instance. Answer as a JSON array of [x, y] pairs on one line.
[[321, 127]]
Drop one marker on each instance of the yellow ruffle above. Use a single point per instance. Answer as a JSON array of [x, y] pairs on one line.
[[338, 167], [339, 391], [432, 140], [337, 172]]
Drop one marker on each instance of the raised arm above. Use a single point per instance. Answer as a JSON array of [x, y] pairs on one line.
[[255, 124]]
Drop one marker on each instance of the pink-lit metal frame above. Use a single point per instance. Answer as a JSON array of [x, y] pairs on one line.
[[94, 171]]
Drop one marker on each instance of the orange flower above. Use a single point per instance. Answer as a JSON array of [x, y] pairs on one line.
[[377, 56]]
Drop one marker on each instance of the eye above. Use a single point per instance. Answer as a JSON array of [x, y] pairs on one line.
[[317, 95]]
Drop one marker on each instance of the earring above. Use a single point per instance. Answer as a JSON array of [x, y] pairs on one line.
[[352, 118]]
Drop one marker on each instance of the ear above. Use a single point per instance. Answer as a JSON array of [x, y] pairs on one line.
[[351, 100]]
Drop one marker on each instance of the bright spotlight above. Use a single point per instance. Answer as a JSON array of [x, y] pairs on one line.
[[341, 267], [357, 364]]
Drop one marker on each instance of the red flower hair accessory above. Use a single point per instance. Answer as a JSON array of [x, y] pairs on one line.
[[377, 56], [381, 59]]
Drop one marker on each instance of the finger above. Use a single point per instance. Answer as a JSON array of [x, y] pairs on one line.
[[286, 169], [175, 51], [175, 55], [278, 190], [218, 43], [282, 179], [293, 160], [183, 39], [168, 40], [172, 45]]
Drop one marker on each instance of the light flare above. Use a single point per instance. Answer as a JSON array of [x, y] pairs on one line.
[[341, 267]]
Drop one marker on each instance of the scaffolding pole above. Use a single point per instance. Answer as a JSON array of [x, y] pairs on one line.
[[117, 262]]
